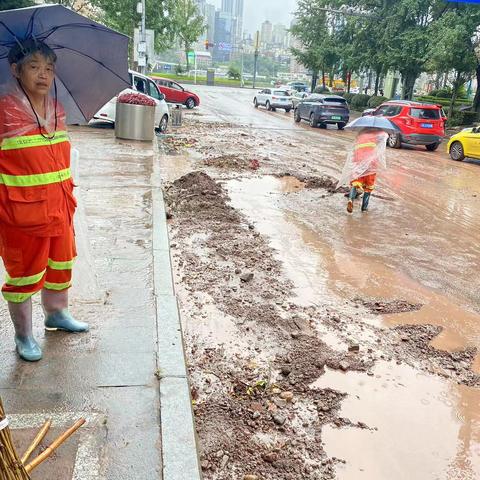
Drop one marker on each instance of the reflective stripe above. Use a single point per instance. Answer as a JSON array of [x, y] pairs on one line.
[[365, 145], [35, 180], [22, 281], [28, 141], [61, 265], [17, 297], [57, 286]]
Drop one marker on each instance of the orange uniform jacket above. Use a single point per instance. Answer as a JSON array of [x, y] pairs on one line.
[[36, 188]]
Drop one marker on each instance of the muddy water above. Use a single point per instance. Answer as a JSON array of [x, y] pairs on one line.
[[439, 419]]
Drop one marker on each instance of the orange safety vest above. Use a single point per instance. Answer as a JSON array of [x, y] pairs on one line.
[[36, 186], [365, 146]]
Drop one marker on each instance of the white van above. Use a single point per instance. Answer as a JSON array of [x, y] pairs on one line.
[[142, 84]]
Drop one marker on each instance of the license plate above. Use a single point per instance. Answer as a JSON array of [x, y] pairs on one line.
[[427, 125], [336, 117]]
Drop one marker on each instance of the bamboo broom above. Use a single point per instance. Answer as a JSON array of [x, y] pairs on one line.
[[49, 450], [36, 442], [11, 468]]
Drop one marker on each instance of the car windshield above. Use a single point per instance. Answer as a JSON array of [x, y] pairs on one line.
[[389, 111], [281, 93], [425, 113]]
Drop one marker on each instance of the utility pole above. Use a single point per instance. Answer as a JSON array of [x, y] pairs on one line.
[[142, 44], [257, 46]]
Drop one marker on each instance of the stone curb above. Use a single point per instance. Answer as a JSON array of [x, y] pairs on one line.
[[180, 459]]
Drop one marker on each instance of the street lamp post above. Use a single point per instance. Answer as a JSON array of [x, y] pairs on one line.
[[257, 41], [142, 44]]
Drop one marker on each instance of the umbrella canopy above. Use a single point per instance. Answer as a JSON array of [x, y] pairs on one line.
[[92, 64], [381, 123]]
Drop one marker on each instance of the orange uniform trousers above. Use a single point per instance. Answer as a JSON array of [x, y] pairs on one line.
[[33, 263], [367, 182]]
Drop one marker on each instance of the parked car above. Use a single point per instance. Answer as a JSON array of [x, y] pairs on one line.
[[273, 99], [465, 144], [297, 97], [417, 123], [321, 110], [298, 86], [140, 83], [175, 93]]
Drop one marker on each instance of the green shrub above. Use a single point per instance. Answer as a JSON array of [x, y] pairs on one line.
[[321, 89], [376, 101], [348, 96], [445, 102], [466, 117], [360, 101]]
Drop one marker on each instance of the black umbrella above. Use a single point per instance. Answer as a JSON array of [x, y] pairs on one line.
[[92, 65]]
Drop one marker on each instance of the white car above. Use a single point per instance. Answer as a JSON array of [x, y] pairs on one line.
[[273, 98], [140, 83]]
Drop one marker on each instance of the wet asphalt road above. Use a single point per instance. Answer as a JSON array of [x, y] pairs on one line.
[[417, 243]]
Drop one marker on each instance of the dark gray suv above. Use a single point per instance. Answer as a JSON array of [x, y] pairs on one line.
[[321, 110]]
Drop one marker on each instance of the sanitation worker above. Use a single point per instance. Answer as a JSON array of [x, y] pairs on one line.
[[37, 204], [366, 159]]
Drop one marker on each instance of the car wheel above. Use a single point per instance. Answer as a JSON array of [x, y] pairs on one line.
[[287, 110], [456, 152], [296, 116], [163, 125], [340, 126], [190, 103], [432, 147], [268, 106], [394, 141], [313, 122], [255, 102]]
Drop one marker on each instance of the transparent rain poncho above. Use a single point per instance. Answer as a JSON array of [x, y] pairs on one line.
[[365, 161], [17, 117]]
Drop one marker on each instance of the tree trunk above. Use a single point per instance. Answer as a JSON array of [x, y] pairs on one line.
[[349, 81], [314, 80], [408, 84], [378, 74], [456, 86], [323, 79], [476, 100], [187, 49]]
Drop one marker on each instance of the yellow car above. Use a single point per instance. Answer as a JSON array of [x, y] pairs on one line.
[[465, 144]]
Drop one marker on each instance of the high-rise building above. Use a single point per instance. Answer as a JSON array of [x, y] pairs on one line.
[[266, 33], [210, 21], [279, 35], [224, 36]]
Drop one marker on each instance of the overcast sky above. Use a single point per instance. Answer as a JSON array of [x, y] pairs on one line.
[[257, 11]]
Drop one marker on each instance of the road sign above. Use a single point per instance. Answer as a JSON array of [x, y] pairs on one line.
[[191, 55], [225, 47]]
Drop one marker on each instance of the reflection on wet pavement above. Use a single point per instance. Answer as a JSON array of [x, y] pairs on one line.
[[434, 434]]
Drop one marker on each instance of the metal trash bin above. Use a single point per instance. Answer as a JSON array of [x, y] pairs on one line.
[[135, 122], [177, 116]]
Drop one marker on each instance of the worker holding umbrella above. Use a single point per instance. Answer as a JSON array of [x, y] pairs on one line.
[[366, 159], [37, 203]]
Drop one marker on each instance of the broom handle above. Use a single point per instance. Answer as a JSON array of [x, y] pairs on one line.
[[36, 442], [49, 450]]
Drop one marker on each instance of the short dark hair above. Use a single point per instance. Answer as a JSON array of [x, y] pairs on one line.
[[24, 49]]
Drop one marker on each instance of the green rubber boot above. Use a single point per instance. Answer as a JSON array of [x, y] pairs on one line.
[[62, 320], [28, 349]]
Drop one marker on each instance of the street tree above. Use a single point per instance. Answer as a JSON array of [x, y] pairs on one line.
[[11, 4], [188, 24]]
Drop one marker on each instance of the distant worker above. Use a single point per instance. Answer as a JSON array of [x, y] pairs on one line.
[[362, 165]]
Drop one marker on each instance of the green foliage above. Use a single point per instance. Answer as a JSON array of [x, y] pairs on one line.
[[442, 93], [376, 101], [180, 69], [321, 89], [348, 96], [11, 4], [466, 118], [445, 102], [360, 101], [234, 73]]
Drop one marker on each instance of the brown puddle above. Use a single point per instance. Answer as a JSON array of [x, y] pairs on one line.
[[434, 434], [428, 428]]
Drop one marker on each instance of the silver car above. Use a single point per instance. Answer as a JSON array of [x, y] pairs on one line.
[[273, 98], [297, 97]]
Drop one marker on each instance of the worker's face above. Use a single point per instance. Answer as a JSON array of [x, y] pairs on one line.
[[36, 74]]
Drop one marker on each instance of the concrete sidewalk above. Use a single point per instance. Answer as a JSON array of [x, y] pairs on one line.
[[110, 375]]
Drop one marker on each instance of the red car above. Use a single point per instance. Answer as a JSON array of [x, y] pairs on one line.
[[175, 93], [418, 123]]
